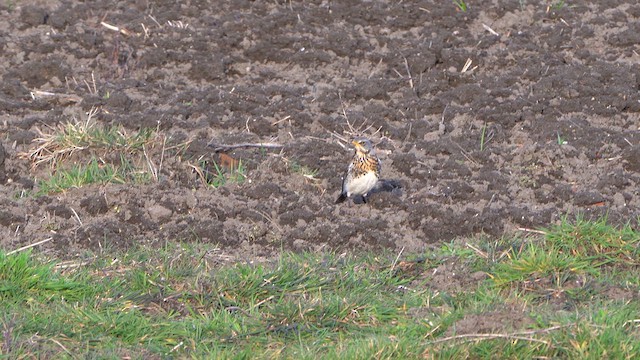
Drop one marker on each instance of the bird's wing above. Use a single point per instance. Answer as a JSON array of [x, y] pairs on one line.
[[344, 178]]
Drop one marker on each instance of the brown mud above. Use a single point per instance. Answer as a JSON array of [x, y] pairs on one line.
[[542, 124]]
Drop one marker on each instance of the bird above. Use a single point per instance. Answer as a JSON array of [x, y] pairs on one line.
[[363, 173]]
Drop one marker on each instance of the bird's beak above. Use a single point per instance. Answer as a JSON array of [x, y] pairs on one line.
[[357, 145]]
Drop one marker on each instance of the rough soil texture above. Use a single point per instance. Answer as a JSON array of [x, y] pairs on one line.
[[552, 92]]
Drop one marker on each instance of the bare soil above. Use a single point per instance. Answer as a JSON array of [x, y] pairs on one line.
[[542, 124]]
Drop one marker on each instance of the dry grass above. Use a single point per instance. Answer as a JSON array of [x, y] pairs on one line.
[[59, 143], [80, 152]]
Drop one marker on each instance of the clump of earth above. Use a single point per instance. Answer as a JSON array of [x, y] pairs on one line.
[[494, 119]]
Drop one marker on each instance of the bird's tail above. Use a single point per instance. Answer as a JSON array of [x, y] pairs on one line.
[[341, 198], [387, 185]]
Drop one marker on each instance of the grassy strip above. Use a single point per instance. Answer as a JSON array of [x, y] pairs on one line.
[[173, 302]]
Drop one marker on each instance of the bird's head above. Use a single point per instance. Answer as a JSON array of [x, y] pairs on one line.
[[363, 145]]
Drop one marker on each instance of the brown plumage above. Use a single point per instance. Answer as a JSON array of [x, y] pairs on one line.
[[363, 173]]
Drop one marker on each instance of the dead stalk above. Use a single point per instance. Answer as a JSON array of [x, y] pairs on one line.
[[522, 335], [29, 246]]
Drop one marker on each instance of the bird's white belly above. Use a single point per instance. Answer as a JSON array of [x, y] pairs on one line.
[[362, 185]]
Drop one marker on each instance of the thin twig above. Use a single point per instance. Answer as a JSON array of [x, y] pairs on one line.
[[164, 145], [145, 31], [397, 258], [467, 65], [406, 138], [628, 142], [374, 69], [152, 168], [268, 218], [516, 336], [478, 251], [475, 337], [37, 94], [60, 344], [77, 217], [406, 65], [93, 81], [201, 175], [176, 347], [281, 120], [68, 265], [486, 27], [225, 147], [533, 231], [262, 302], [155, 21], [465, 153], [29, 246], [115, 28]]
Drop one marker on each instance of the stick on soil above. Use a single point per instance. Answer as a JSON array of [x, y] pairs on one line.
[[225, 148]]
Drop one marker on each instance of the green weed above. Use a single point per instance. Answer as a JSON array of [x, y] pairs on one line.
[[214, 175], [461, 5], [483, 137], [560, 140], [303, 170], [557, 5]]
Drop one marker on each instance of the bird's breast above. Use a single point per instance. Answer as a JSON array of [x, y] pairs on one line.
[[360, 185]]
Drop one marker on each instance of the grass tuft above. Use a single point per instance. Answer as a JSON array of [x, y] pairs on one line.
[[596, 241], [535, 262], [81, 152], [95, 172], [303, 170], [215, 175], [461, 5], [22, 278], [65, 140], [483, 137]]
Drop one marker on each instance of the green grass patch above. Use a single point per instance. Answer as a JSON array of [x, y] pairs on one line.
[[177, 301], [23, 278], [95, 172], [536, 261], [596, 241], [581, 248]]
